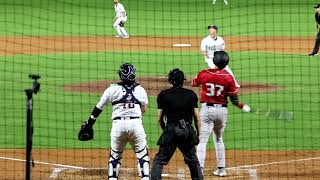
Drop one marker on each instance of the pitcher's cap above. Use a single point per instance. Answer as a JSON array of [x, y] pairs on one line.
[[213, 26]]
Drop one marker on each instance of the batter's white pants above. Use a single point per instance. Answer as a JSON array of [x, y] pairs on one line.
[[212, 119], [210, 63], [120, 30]]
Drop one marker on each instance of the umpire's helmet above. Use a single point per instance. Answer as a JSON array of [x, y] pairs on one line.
[[127, 72], [221, 59], [176, 77]]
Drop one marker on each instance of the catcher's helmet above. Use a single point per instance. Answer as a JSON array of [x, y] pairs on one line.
[[221, 59], [176, 77], [127, 72]]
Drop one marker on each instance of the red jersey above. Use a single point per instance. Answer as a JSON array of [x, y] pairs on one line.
[[216, 86]]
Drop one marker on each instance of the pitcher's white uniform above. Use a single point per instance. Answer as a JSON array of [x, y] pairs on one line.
[[210, 45], [121, 16], [225, 2], [126, 125]]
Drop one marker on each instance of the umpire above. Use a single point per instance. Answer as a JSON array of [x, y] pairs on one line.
[[317, 43], [177, 107]]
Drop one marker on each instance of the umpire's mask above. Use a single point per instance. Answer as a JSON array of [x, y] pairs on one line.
[[176, 77], [127, 72]]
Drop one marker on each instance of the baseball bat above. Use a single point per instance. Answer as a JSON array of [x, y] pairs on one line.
[[274, 114]]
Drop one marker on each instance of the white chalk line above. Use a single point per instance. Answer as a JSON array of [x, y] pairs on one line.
[[253, 172], [46, 163], [272, 163], [56, 171]]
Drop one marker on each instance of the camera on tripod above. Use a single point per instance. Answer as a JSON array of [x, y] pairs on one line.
[[35, 85]]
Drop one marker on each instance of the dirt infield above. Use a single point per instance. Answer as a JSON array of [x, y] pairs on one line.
[[14, 45], [91, 164], [154, 85]]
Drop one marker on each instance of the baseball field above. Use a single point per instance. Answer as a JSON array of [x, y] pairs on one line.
[[70, 44]]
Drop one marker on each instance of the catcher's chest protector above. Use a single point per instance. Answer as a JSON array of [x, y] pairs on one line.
[[128, 97]]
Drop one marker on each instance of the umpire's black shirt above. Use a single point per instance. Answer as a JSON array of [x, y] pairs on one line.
[[177, 103]]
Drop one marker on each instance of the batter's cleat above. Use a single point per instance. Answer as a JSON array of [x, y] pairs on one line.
[[126, 37], [226, 2], [118, 36], [220, 172], [313, 54]]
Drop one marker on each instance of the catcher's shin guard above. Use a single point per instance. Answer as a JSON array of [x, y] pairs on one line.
[[143, 163], [114, 165]]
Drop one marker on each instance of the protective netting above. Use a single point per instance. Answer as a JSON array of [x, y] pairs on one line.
[[71, 44]]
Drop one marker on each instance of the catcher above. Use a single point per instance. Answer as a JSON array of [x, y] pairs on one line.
[[129, 101]]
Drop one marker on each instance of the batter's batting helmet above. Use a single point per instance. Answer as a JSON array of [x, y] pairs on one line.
[[176, 77], [127, 72], [221, 59]]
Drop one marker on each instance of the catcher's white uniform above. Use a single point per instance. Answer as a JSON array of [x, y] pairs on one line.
[[211, 45], [126, 125], [120, 19]]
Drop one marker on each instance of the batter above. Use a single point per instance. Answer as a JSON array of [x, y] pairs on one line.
[[216, 85]]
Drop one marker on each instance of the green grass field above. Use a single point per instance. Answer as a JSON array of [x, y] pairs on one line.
[[58, 114]]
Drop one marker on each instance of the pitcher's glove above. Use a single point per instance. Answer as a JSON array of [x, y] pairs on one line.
[[86, 132]]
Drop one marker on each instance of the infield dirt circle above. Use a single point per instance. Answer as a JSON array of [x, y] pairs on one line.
[[243, 164]]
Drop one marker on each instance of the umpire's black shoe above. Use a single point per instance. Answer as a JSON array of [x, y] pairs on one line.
[[313, 54]]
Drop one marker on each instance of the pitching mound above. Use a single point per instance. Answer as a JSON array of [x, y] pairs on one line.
[[154, 85]]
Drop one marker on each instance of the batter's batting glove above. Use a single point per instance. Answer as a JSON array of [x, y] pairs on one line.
[[86, 132], [246, 108]]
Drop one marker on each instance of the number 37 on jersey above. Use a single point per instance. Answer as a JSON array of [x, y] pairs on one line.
[[214, 89]]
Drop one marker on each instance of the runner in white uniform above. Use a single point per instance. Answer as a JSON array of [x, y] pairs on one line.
[[211, 44], [129, 101], [120, 19]]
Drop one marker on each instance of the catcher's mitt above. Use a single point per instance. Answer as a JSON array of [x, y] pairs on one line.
[[121, 24], [86, 132]]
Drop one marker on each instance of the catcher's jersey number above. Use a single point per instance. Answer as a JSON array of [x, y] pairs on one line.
[[214, 89], [128, 105]]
